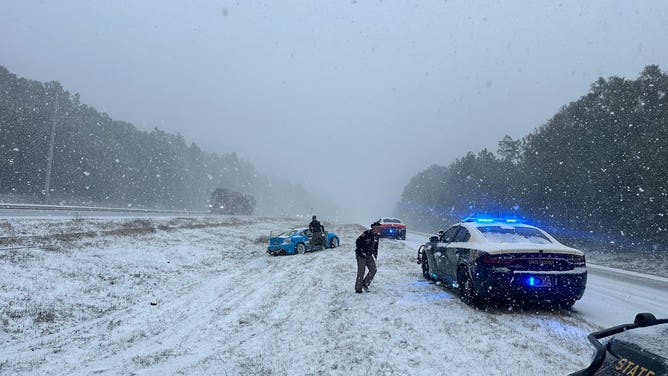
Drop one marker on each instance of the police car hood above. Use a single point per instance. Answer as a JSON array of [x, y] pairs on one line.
[[520, 247]]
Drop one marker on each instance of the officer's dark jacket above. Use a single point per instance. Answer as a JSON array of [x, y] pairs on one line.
[[315, 226], [367, 244]]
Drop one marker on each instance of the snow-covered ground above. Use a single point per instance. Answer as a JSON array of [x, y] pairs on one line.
[[188, 296]]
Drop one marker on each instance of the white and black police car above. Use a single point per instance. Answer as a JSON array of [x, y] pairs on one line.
[[504, 260]]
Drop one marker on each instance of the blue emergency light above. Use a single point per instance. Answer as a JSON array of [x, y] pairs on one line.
[[491, 220]]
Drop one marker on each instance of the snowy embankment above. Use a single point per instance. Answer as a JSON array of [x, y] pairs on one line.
[[201, 296]]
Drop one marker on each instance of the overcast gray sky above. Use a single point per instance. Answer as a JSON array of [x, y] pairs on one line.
[[350, 99]]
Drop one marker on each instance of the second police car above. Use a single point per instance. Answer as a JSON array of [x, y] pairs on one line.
[[639, 348], [492, 259], [392, 228]]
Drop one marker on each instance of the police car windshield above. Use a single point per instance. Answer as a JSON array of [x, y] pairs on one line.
[[391, 220], [512, 234]]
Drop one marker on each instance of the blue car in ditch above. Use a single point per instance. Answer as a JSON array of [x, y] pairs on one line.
[[298, 241]]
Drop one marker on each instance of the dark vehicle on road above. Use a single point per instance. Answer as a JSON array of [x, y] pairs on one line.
[[639, 348], [502, 260], [227, 201]]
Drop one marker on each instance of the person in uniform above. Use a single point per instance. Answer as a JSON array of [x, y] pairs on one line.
[[366, 252], [317, 234]]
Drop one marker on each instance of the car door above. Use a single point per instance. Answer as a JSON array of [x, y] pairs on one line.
[[305, 237], [440, 253], [455, 251]]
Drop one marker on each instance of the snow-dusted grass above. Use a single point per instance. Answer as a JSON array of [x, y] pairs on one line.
[[647, 261], [201, 296], [642, 257]]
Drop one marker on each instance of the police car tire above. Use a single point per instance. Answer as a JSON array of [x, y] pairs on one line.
[[424, 262], [467, 292], [566, 303], [300, 249]]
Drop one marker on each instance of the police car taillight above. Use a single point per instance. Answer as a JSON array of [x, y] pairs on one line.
[[578, 260], [496, 259]]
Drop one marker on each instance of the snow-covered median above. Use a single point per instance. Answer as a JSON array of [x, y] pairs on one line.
[[201, 296]]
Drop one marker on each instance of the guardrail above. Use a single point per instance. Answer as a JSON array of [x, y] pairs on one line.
[[11, 206]]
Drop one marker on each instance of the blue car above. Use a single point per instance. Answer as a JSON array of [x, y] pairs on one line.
[[297, 241]]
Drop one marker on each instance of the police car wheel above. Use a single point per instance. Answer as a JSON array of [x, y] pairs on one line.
[[424, 262], [566, 303], [300, 248], [467, 292], [334, 243]]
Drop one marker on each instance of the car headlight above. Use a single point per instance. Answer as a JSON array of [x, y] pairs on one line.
[[287, 241]]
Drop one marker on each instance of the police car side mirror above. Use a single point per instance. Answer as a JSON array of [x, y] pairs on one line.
[[433, 239], [644, 319]]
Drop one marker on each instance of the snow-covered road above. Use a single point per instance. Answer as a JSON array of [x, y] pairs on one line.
[[615, 296], [201, 296]]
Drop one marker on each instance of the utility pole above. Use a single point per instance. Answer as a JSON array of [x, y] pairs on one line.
[[47, 183]]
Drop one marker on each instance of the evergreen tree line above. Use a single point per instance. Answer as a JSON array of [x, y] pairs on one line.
[[598, 168], [100, 161]]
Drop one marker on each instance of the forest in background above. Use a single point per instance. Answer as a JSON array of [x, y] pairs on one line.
[[598, 168], [104, 162]]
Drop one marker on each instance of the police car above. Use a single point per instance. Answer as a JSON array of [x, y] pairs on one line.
[[392, 228], [502, 259], [636, 349]]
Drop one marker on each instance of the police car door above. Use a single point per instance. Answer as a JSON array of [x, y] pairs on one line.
[[440, 255], [455, 250]]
